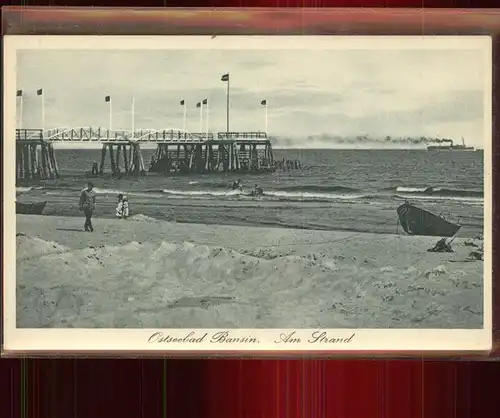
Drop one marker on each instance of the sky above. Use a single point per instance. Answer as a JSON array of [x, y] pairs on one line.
[[310, 93]]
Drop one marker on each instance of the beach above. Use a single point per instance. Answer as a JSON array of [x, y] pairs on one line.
[[148, 273]]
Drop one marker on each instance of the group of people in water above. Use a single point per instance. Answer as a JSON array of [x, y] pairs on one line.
[[287, 165], [256, 191]]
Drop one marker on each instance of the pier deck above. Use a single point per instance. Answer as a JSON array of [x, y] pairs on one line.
[[144, 135]]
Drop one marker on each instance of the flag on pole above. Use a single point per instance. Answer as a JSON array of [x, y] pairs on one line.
[[39, 92], [19, 93], [107, 99], [183, 104], [205, 102], [198, 104], [225, 77], [263, 102]]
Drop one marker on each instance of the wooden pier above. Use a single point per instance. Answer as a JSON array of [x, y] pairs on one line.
[[130, 153], [224, 152], [35, 156], [177, 152]]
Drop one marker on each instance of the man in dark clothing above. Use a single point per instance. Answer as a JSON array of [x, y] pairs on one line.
[[87, 204]]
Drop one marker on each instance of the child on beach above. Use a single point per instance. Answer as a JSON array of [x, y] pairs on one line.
[[87, 204], [122, 207]]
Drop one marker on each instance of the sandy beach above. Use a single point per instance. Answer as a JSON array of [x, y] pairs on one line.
[[148, 273]]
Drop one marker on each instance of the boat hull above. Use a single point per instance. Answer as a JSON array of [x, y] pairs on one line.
[[30, 208], [416, 221]]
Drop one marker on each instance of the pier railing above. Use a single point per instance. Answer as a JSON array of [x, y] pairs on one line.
[[90, 134], [170, 135], [86, 134], [29, 134], [241, 135]]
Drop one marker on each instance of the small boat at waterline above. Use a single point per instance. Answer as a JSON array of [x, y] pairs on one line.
[[30, 208], [417, 221]]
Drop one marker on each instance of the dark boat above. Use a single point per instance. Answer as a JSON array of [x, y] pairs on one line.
[[30, 208], [416, 221]]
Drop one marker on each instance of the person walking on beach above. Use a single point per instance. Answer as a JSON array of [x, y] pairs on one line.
[[87, 204]]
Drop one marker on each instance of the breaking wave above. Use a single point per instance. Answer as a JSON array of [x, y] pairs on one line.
[[292, 193], [441, 191], [23, 189], [319, 189]]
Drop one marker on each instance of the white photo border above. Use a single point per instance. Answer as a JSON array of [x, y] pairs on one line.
[[148, 340]]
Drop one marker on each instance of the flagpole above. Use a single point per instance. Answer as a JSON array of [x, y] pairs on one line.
[[207, 120], [21, 113], [184, 118], [266, 118], [133, 117], [110, 114], [227, 106], [201, 117], [43, 112]]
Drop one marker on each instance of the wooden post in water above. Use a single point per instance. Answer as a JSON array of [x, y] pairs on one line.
[[134, 160], [254, 159], [53, 160], [207, 157], [103, 158], [43, 152], [138, 166], [168, 159], [118, 158], [19, 162], [125, 158], [131, 158], [142, 167], [39, 163], [32, 149], [236, 157], [198, 158], [50, 167], [112, 159], [26, 157]]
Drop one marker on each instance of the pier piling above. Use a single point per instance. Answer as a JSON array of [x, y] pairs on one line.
[[35, 157], [228, 152]]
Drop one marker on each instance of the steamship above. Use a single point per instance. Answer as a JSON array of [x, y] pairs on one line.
[[451, 147]]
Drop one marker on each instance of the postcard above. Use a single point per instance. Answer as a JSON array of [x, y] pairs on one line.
[[231, 194]]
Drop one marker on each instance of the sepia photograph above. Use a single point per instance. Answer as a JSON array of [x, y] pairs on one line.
[[328, 184]]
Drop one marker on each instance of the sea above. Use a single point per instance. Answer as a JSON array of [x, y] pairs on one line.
[[335, 189]]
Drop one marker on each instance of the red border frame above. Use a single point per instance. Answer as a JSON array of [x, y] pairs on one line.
[[283, 21]]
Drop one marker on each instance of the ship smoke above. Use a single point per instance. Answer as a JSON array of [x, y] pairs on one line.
[[389, 141]]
